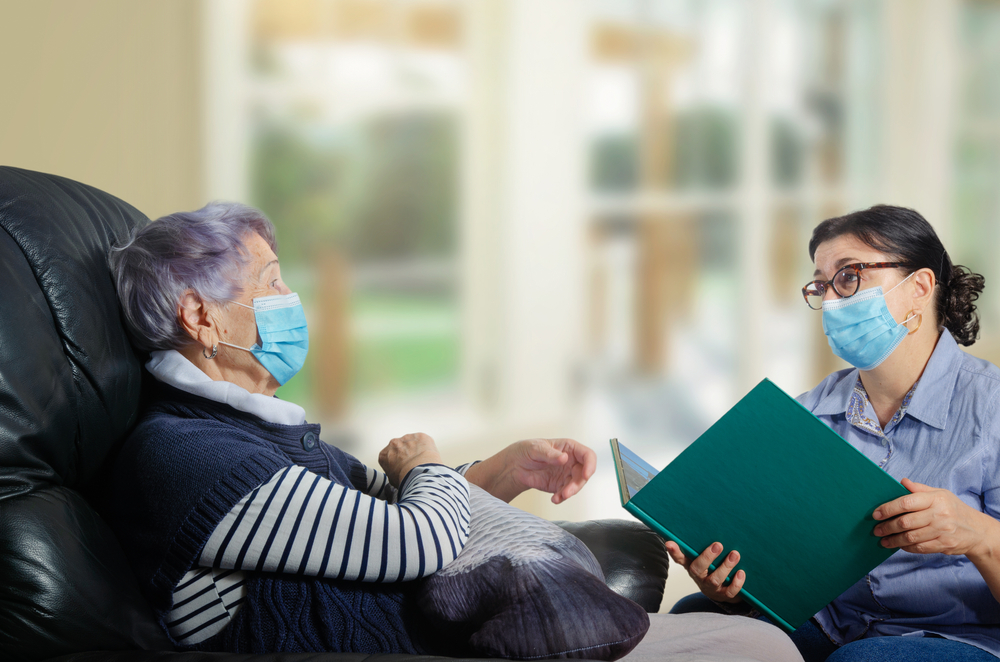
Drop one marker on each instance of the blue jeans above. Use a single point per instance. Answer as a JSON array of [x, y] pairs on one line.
[[816, 647]]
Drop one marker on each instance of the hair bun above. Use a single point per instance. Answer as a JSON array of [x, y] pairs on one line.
[[961, 292]]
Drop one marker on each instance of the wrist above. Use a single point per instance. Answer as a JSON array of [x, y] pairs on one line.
[[494, 476], [478, 474], [423, 458], [987, 549]]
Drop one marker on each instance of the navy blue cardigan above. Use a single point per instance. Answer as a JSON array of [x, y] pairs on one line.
[[186, 464]]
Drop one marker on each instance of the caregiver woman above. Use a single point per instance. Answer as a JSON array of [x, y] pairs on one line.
[[896, 308]]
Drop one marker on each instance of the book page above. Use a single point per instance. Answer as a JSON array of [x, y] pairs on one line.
[[635, 472]]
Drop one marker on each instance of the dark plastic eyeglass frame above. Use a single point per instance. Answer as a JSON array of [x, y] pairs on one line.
[[821, 285]]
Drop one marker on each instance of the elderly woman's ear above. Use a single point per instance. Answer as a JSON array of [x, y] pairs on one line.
[[198, 320]]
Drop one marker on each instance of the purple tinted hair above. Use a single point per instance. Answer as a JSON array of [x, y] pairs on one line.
[[201, 250]]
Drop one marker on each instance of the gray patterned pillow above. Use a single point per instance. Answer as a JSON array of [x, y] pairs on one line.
[[522, 588]]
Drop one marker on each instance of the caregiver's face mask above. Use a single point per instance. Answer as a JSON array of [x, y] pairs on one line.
[[284, 336], [861, 330]]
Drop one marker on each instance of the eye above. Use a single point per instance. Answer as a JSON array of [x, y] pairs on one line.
[[847, 276]]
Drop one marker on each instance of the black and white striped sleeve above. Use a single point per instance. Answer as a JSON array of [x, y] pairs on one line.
[[377, 483], [300, 522]]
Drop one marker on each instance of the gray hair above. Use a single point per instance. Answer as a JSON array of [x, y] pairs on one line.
[[202, 251]]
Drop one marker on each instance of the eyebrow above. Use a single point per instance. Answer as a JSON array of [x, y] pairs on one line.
[[842, 262], [264, 268]]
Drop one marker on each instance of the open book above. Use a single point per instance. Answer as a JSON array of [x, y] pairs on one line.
[[774, 482]]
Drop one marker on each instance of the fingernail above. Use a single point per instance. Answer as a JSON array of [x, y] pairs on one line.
[[878, 530], [716, 548], [733, 556], [877, 514]]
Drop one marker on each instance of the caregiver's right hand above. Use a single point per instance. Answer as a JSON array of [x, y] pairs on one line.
[[711, 584], [404, 453]]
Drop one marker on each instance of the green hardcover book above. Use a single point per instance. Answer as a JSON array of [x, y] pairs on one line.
[[773, 482]]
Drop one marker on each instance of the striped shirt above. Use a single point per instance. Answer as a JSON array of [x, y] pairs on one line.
[[301, 523]]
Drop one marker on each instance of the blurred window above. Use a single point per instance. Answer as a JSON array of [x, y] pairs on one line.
[[354, 119], [977, 157], [716, 141]]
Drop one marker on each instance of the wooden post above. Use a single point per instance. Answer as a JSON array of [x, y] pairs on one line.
[[331, 343], [666, 246]]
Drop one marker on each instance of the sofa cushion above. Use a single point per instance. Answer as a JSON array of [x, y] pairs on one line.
[[523, 588]]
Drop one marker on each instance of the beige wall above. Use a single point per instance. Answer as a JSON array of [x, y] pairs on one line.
[[106, 92]]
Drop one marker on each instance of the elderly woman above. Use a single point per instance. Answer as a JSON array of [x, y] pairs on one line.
[[246, 532], [896, 308]]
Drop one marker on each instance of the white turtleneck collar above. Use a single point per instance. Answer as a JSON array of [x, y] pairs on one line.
[[171, 367]]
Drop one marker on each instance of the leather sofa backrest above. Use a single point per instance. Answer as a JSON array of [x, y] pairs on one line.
[[69, 391]]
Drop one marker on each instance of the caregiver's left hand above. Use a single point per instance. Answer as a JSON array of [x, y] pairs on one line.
[[930, 521], [559, 466]]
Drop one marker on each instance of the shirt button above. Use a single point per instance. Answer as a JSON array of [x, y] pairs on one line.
[[309, 441], [885, 442]]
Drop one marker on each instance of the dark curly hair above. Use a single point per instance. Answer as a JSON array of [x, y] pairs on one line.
[[907, 237]]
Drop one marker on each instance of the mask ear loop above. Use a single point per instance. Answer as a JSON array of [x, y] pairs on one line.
[[245, 349], [909, 316], [890, 289]]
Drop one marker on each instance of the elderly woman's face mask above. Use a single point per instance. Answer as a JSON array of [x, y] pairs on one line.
[[284, 336]]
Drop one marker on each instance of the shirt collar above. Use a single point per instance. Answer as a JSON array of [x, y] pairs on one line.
[[932, 399], [932, 396], [171, 367], [839, 397]]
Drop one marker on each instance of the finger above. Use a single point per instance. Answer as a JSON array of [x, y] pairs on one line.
[[588, 458], [584, 458], [676, 554], [700, 565], [736, 585], [718, 578], [905, 522], [911, 538], [904, 504], [916, 487], [570, 482], [568, 490], [581, 454], [574, 481], [543, 450]]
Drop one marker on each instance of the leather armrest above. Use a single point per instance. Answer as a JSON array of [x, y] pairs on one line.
[[632, 557]]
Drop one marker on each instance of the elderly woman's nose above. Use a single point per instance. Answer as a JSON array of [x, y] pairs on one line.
[[283, 289]]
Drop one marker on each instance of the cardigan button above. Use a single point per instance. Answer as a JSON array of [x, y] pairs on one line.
[[309, 441]]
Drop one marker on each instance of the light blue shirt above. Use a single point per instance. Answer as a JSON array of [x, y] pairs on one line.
[[948, 436]]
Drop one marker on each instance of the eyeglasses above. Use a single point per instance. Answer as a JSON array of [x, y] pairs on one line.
[[845, 282]]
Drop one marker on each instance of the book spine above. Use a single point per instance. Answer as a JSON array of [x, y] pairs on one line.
[[690, 553]]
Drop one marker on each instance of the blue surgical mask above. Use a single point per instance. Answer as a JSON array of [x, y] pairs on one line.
[[861, 330], [284, 336]]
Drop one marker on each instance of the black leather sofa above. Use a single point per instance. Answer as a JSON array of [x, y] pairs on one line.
[[70, 388]]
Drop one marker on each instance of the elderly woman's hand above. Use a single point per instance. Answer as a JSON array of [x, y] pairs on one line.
[[559, 466], [712, 584], [404, 453]]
